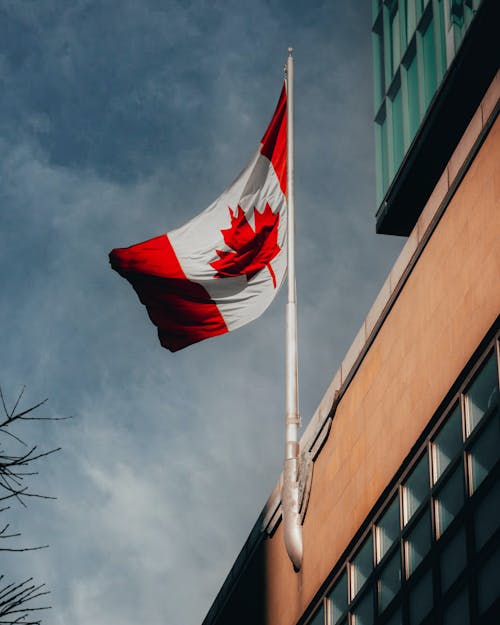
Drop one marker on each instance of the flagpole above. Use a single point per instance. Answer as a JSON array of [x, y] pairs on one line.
[[290, 493]]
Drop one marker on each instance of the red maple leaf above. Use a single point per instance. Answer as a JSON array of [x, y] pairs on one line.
[[253, 250]]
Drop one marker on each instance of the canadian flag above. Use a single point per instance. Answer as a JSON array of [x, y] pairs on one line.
[[223, 268]]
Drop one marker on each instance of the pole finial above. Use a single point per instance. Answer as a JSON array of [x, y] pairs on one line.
[[290, 50]]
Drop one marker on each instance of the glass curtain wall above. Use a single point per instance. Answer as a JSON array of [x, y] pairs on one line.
[[410, 57]]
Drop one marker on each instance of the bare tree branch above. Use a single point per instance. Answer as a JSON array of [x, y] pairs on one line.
[[18, 601]]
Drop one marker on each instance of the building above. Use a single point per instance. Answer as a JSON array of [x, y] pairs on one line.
[[402, 525]]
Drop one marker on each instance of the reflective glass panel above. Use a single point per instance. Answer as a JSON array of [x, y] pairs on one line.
[[418, 543], [449, 500], [363, 612], [421, 601], [378, 61], [447, 443], [397, 128], [429, 58], [395, 619], [382, 154], [488, 582], [395, 36], [389, 582], [482, 394], [338, 599], [387, 529], [453, 559], [484, 453], [419, 5], [416, 488], [412, 110], [361, 566], [319, 617], [410, 18], [487, 516], [441, 35], [457, 613]]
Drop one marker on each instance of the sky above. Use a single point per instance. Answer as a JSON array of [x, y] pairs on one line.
[[119, 121]]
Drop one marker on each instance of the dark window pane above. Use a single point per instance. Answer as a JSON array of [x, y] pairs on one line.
[[484, 453], [449, 500], [482, 394], [389, 582], [488, 582], [487, 516], [418, 543], [397, 128], [338, 599], [421, 599], [395, 619], [453, 559], [382, 152], [361, 566], [457, 613], [387, 529], [413, 109], [363, 612], [447, 443], [319, 617], [415, 488]]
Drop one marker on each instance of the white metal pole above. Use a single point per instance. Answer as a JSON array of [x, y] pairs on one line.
[[290, 493]]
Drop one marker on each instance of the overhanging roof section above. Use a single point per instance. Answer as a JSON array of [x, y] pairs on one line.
[[451, 110]]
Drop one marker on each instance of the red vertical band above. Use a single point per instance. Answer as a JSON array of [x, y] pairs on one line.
[[274, 140]]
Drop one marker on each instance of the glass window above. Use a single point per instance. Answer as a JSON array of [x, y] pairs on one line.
[[415, 488], [382, 154], [419, 6], [449, 500], [395, 35], [487, 516], [387, 529], [421, 601], [395, 619], [378, 61], [410, 18], [453, 559], [319, 617], [389, 582], [418, 543], [482, 394], [457, 613], [363, 612], [338, 599], [441, 40], [429, 59], [447, 444], [361, 566], [488, 581], [412, 108], [457, 12], [397, 126], [484, 453]]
